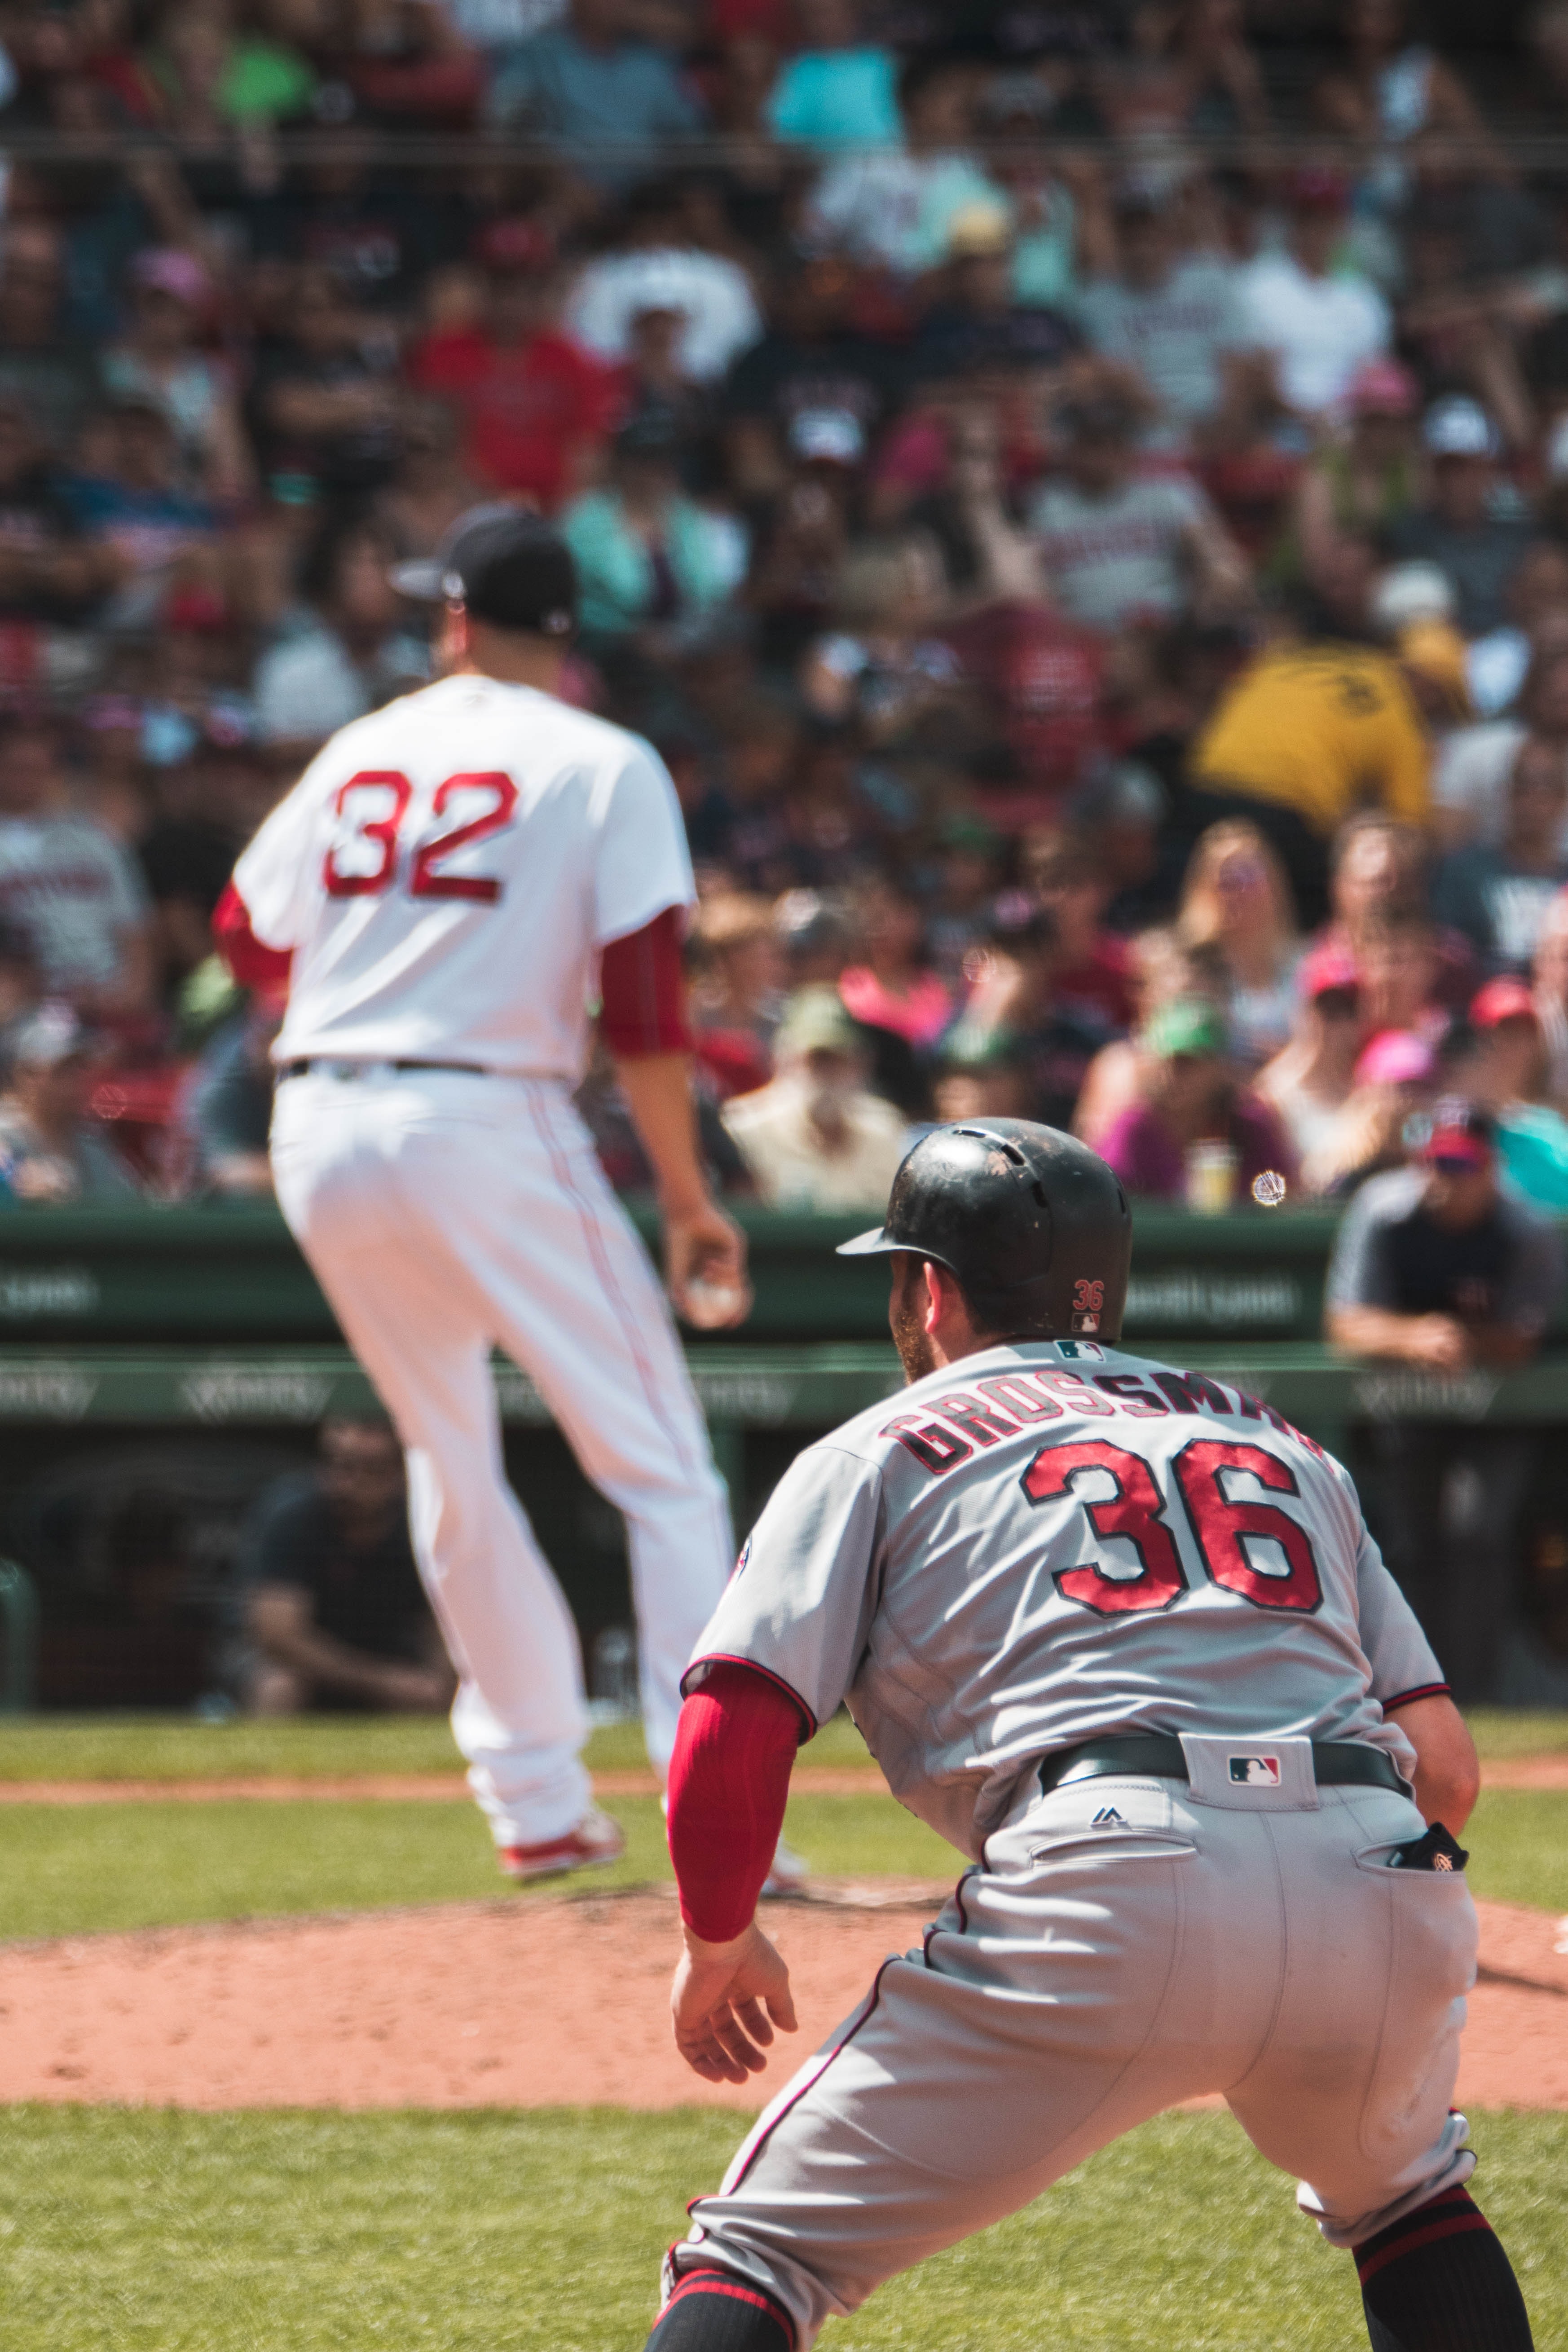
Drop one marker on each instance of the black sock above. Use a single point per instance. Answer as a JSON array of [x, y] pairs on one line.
[[713, 2311], [1439, 2280]]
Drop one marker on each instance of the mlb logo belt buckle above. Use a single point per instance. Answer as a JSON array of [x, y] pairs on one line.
[[1274, 1774]]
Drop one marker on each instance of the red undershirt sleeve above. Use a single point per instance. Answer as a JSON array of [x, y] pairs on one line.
[[642, 982], [252, 965], [729, 1781]]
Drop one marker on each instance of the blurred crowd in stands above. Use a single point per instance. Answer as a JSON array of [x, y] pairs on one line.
[[1078, 496]]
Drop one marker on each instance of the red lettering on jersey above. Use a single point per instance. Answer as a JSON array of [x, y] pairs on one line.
[[382, 830], [1132, 1512], [1011, 1390], [1075, 1394], [1248, 1407], [1131, 1394], [977, 1419], [933, 1447], [424, 880], [1193, 1393], [1221, 1524]]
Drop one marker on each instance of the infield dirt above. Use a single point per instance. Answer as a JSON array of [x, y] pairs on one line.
[[543, 2002]]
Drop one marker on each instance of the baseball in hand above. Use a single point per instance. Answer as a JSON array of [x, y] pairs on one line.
[[708, 1305]]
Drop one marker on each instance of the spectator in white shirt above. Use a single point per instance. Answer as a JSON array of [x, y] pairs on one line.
[[1117, 547], [1167, 312], [815, 1138], [67, 885], [1318, 320], [893, 206], [656, 267], [347, 649]]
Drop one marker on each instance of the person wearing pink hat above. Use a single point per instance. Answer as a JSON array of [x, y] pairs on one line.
[[1507, 1072], [1441, 1271], [1309, 1082], [1391, 1084], [160, 359]]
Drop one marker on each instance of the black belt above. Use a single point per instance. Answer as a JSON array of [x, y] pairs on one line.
[[1156, 1756], [331, 1061]]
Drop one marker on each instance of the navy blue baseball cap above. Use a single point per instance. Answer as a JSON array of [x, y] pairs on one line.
[[503, 566]]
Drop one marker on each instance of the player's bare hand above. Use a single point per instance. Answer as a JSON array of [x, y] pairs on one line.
[[1438, 1342], [725, 2001], [414, 1690], [705, 1267]]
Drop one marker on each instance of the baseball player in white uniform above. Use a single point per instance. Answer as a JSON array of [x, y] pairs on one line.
[[447, 890], [1120, 1635]]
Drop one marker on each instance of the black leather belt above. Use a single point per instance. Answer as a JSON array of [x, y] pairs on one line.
[[328, 1062], [1156, 1756]]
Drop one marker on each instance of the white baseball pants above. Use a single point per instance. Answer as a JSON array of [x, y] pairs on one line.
[[1124, 1949], [442, 1215]]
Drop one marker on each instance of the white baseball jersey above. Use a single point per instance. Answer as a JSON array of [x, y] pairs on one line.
[[1048, 1542], [446, 870]]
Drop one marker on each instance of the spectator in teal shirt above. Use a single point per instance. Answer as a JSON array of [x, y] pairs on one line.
[[838, 91], [649, 560], [1509, 1075]]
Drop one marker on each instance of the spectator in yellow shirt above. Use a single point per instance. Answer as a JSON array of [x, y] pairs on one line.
[[1306, 735]]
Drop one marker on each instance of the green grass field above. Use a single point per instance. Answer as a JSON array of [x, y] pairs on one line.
[[178, 1747], [152, 2232], [69, 1869]]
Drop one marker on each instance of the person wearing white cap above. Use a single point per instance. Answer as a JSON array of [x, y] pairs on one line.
[[893, 206], [1465, 526], [657, 266]]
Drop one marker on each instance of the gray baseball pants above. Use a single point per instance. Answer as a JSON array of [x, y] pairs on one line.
[[1124, 1946]]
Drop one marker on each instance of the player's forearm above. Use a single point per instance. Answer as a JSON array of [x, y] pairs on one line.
[[657, 1088], [729, 1783], [1447, 1772], [1374, 1331], [288, 1640]]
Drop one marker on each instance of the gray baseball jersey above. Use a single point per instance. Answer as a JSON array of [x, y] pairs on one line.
[[1047, 1542]]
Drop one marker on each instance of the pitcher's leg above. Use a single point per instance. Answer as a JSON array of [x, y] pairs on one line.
[[585, 1317], [519, 1718]]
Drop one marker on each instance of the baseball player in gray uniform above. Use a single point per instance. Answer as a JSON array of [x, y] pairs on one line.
[[1120, 1635]]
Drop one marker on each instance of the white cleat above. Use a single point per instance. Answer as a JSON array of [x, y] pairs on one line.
[[789, 1873], [595, 1841]]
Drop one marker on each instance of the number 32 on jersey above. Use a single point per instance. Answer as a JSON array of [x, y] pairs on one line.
[[363, 856], [1223, 1525]]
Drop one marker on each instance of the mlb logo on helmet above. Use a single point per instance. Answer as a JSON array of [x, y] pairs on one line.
[[1256, 1772]]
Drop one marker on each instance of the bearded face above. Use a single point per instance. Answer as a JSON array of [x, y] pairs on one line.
[[906, 1316]]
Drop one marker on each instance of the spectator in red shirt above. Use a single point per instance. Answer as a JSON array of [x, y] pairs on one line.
[[537, 408], [1094, 969], [894, 987]]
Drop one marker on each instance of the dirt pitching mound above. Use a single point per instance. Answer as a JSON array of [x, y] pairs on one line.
[[540, 2002]]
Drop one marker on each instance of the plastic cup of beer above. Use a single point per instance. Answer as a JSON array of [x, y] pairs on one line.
[[1212, 1170]]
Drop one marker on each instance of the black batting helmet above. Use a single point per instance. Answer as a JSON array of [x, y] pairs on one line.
[[1032, 1223]]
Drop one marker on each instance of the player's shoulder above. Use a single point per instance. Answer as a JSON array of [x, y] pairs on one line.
[[1387, 1199]]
